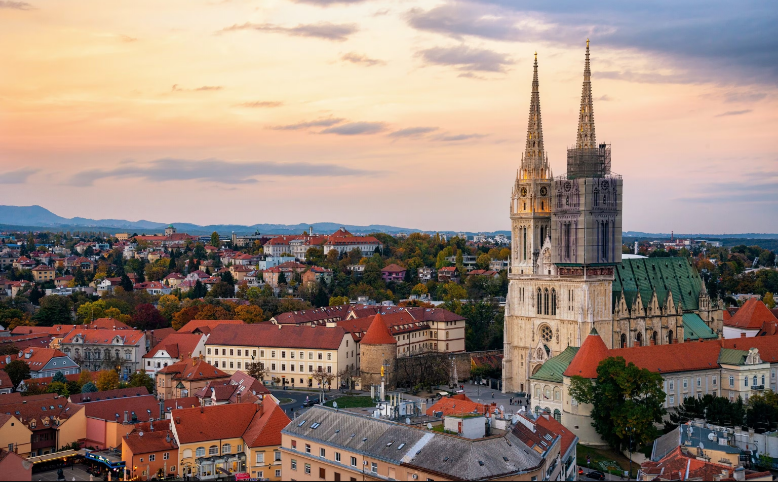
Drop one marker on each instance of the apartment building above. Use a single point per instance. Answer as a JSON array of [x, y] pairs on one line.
[[98, 349], [290, 354]]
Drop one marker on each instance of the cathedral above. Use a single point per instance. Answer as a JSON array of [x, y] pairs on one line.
[[567, 274]]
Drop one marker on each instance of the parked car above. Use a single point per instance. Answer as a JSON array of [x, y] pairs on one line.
[[596, 475]]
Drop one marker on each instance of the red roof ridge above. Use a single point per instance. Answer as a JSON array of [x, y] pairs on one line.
[[378, 333], [752, 315]]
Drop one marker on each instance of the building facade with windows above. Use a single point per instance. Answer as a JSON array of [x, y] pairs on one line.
[[106, 349], [150, 451], [289, 354]]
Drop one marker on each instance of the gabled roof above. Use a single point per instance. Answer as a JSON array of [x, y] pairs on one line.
[[694, 328], [142, 408], [665, 275], [208, 423], [265, 428], [394, 268], [193, 370], [588, 357], [378, 333], [210, 324], [38, 358], [108, 324], [108, 394], [177, 345], [104, 337], [42, 410], [457, 405], [142, 440], [751, 316]]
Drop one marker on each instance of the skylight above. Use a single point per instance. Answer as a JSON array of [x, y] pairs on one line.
[[301, 423]]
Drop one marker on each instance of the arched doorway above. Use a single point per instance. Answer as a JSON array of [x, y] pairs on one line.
[[670, 337], [623, 340], [639, 339], [654, 337]]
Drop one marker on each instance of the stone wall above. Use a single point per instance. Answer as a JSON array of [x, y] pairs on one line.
[[463, 362], [371, 359]]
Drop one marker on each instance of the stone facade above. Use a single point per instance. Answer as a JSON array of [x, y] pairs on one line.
[[567, 276], [372, 358]]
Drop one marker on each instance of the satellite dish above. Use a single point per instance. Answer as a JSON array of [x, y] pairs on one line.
[[429, 426], [407, 421], [335, 404], [711, 436]]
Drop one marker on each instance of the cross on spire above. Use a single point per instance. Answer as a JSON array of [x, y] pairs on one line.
[[534, 160], [586, 137]]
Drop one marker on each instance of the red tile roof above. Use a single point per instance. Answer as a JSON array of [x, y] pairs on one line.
[[457, 405], [378, 333], [108, 324], [177, 345], [751, 316], [193, 370], [393, 268], [104, 337], [282, 336], [208, 423], [108, 394], [142, 440], [5, 380], [143, 407], [681, 465], [589, 356], [41, 409], [265, 429], [38, 359], [59, 330], [549, 423], [211, 324]]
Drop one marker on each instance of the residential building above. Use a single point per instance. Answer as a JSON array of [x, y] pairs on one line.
[[317, 274], [331, 444], [43, 273], [205, 326], [107, 285], [499, 264], [184, 378], [209, 448], [173, 349], [448, 274], [63, 281], [150, 450], [6, 386], [484, 272], [290, 354], [469, 261], [173, 279], [43, 362], [750, 320], [344, 242], [51, 420], [97, 349], [14, 467], [109, 418], [154, 288], [427, 274], [272, 275], [393, 272], [685, 463]]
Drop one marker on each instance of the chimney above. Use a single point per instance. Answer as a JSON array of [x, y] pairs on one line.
[[28, 354], [739, 474], [742, 335], [126, 417]]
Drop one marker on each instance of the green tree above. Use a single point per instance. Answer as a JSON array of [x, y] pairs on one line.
[[769, 300], [89, 387], [626, 402], [339, 300], [281, 278], [222, 290], [59, 377], [126, 283], [420, 289], [107, 380], [215, 242], [54, 310], [141, 379], [17, 371], [482, 262], [58, 388]]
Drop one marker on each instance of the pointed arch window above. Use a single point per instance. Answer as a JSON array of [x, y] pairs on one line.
[[540, 302], [553, 301], [545, 301], [596, 197]]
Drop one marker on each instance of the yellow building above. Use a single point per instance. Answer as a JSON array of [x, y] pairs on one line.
[[290, 354], [14, 433], [209, 447], [49, 421], [43, 273]]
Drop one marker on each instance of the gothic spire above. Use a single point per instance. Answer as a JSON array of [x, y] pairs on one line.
[[586, 137], [534, 158]]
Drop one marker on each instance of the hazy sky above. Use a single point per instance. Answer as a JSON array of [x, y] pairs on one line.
[[409, 113]]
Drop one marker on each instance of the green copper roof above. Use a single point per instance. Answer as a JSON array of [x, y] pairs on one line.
[[663, 275], [552, 370], [728, 356], [694, 328]]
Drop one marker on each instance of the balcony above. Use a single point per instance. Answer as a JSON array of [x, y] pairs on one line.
[[757, 387]]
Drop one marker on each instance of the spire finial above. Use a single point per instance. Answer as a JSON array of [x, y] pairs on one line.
[[585, 137]]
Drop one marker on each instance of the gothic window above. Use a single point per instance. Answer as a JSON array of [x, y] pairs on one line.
[[639, 339], [670, 337], [545, 301], [525, 244], [546, 334], [540, 302], [596, 197], [654, 337], [553, 301], [559, 201], [567, 240], [623, 341], [567, 200]]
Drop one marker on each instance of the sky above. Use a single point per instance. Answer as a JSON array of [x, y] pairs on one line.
[[395, 112]]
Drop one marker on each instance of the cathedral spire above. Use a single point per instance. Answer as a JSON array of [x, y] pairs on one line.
[[534, 158], [586, 137]]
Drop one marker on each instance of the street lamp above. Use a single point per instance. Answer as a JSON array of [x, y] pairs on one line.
[[630, 430]]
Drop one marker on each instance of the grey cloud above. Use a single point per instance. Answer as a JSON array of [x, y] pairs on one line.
[[361, 59], [260, 104], [467, 58], [213, 170], [306, 125], [413, 132], [204, 88], [744, 96], [459, 137], [19, 176], [733, 112], [456, 19], [604, 98], [356, 128], [714, 40], [324, 30], [16, 5], [646, 77]]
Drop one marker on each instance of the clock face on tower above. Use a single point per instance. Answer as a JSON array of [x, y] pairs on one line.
[[544, 191], [524, 192]]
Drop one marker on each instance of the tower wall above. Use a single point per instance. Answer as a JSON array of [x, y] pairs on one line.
[[371, 358]]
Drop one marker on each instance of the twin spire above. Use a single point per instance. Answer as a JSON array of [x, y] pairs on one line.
[[534, 162]]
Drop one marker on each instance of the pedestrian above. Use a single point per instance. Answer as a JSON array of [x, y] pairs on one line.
[[492, 394], [60, 474]]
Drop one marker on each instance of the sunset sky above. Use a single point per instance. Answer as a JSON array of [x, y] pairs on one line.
[[399, 112]]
